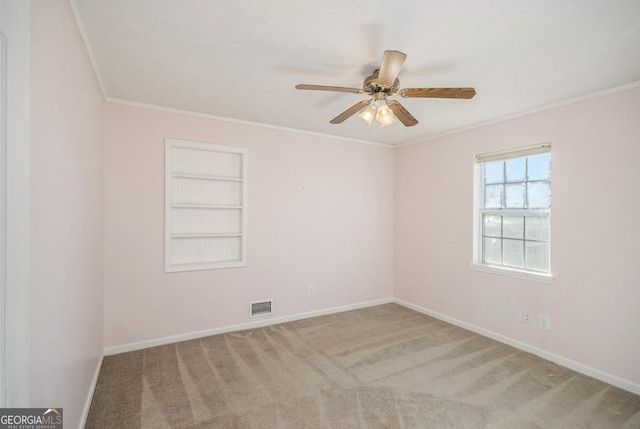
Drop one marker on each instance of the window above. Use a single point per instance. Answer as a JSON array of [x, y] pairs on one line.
[[205, 206], [513, 208]]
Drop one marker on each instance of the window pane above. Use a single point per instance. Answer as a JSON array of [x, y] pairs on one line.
[[539, 167], [513, 253], [536, 255], [513, 227], [491, 226], [514, 195], [493, 196], [537, 228], [539, 195], [492, 251], [494, 172], [516, 169]]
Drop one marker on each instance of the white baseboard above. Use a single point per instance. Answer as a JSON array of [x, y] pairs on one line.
[[560, 360], [240, 327], [92, 390]]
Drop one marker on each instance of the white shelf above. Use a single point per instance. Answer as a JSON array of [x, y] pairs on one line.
[[197, 265], [203, 206], [206, 234], [205, 177]]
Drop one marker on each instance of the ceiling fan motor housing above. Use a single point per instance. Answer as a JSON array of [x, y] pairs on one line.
[[371, 85]]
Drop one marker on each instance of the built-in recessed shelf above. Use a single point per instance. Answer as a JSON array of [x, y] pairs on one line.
[[205, 206]]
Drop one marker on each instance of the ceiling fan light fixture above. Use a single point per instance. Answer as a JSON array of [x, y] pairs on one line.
[[385, 115], [368, 113], [390, 120]]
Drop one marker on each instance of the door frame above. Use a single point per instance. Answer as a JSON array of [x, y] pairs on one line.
[[15, 201]]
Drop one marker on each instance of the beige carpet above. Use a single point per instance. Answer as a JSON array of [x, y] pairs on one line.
[[380, 367]]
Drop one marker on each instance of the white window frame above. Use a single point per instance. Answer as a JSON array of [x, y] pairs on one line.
[[171, 204], [477, 262]]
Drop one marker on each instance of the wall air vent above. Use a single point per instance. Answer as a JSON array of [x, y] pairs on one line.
[[260, 308]]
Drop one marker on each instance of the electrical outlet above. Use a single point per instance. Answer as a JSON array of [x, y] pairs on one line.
[[311, 290], [544, 322], [526, 317]]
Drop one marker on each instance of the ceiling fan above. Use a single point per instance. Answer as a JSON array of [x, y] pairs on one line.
[[382, 84]]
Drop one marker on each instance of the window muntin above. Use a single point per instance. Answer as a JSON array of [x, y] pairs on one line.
[[514, 210]]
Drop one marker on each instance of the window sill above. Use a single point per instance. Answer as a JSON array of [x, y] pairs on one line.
[[525, 275]]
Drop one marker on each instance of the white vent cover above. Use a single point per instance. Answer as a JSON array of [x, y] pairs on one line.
[[260, 308]]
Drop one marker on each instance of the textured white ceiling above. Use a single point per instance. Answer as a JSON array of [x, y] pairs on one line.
[[241, 59]]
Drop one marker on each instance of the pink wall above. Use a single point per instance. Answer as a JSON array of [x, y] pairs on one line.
[[320, 212], [593, 303], [67, 214]]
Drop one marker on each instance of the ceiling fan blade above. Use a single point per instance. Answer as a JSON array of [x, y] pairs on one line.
[[402, 114], [329, 88], [438, 92], [350, 112], [391, 63]]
